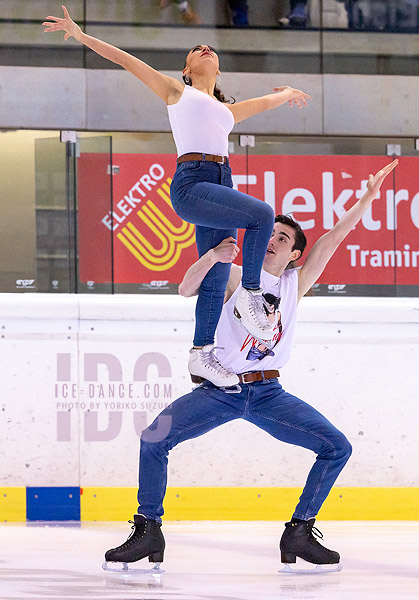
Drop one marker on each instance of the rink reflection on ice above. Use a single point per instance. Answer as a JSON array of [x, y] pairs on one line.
[[207, 561]]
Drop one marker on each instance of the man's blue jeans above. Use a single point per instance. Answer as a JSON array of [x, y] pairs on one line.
[[268, 406], [202, 193]]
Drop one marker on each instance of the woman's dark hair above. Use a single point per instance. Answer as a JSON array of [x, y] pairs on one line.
[[300, 238]]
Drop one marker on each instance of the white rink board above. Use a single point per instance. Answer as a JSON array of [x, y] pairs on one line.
[[356, 360]]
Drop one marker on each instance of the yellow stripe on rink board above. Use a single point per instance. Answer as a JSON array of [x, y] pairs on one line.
[[108, 503], [230, 504], [254, 504], [12, 504], [371, 504]]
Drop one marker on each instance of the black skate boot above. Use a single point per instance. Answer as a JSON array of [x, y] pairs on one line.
[[298, 541], [146, 539]]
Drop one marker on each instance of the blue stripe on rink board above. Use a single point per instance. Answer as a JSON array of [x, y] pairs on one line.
[[53, 503]]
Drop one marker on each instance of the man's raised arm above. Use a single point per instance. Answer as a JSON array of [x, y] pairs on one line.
[[325, 246]]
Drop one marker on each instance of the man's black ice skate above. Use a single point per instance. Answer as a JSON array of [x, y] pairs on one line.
[[146, 539], [298, 541]]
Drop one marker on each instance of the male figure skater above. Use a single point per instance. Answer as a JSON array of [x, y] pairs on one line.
[[261, 399]]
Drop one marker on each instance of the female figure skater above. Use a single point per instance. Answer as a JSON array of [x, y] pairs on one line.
[[202, 190]]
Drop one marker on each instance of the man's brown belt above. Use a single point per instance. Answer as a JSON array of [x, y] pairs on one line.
[[196, 156], [251, 376]]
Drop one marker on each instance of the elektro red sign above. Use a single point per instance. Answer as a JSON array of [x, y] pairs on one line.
[[150, 242]]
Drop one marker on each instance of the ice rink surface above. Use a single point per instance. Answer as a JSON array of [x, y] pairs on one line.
[[207, 561]]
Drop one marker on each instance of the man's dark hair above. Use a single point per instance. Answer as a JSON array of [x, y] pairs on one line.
[[300, 238]]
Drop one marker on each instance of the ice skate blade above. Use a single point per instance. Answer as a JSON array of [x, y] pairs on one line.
[[232, 389], [124, 568], [318, 569]]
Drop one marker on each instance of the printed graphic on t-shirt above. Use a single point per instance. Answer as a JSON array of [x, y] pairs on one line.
[[258, 350]]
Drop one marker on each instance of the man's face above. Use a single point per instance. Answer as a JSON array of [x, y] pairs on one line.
[[279, 251]]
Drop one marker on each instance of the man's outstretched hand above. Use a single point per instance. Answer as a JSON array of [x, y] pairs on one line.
[[375, 181]]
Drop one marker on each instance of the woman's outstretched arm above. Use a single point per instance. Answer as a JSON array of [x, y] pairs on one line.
[[247, 108], [167, 88]]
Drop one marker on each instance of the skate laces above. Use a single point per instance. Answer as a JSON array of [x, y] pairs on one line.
[[137, 531], [258, 310], [316, 533], [313, 534], [211, 362]]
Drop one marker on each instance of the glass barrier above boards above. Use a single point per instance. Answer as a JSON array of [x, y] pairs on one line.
[[95, 215]]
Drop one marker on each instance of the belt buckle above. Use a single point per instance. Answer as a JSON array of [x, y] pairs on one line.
[[244, 374], [222, 161]]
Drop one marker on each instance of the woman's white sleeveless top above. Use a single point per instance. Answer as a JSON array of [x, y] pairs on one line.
[[200, 123], [241, 352]]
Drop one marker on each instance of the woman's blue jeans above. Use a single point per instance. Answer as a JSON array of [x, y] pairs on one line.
[[202, 193], [265, 404]]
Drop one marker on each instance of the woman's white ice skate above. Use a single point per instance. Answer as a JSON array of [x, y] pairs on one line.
[[204, 366], [251, 313]]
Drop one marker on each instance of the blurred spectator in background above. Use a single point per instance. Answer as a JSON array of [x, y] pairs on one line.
[[382, 15], [239, 12], [298, 15], [188, 14]]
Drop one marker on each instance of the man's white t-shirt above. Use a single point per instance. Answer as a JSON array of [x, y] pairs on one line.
[[241, 351]]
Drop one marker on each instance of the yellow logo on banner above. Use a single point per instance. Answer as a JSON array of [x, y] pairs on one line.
[[173, 239]]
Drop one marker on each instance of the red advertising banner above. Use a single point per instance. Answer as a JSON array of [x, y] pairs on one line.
[[152, 244]]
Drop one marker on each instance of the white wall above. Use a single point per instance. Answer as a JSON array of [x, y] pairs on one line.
[[85, 99], [355, 359]]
